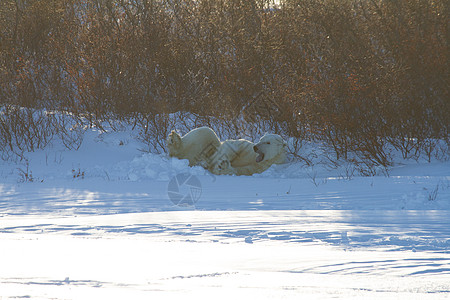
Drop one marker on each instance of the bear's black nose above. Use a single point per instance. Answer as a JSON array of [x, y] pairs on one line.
[[255, 148]]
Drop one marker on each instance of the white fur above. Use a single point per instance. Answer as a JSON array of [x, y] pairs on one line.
[[198, 145], [239, 157]]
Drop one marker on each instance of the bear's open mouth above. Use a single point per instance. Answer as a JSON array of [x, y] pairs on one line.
[[260, 157]]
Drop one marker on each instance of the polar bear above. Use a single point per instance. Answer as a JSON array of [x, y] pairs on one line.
[[198, 146], [242, 157]]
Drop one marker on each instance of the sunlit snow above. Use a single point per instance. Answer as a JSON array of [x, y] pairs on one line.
[[98, 223]]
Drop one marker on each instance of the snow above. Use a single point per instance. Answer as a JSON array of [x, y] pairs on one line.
[[98, 223]]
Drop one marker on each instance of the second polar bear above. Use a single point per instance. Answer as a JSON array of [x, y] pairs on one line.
[[242, 157], [198, 146]]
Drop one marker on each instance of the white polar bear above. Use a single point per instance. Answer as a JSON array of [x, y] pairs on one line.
[[242, 157], [198, 146]]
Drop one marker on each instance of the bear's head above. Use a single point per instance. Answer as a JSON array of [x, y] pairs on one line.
[[173, 143], [271, 148]]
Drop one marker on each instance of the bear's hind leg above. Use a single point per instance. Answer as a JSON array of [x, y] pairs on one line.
[[223, 167]]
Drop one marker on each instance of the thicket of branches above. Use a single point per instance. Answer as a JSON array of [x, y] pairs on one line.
[[360, 75]]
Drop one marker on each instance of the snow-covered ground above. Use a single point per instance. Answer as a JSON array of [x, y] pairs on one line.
[[102, 223]]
